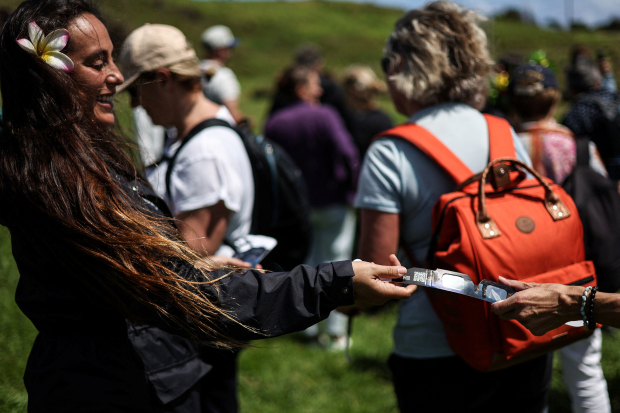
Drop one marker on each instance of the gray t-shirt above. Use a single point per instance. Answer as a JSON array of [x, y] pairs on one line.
[[398, 178]]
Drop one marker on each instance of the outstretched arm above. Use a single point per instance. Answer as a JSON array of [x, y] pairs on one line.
[[281, 303], [544, 307], [263, 305]]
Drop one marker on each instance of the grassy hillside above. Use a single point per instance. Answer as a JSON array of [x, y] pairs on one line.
[[348, 33], [289, 376]]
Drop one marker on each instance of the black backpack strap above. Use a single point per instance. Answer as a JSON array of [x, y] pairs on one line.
[[195, 131], [583, 150]]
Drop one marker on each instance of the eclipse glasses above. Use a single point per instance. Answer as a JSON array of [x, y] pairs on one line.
[[456, 282]]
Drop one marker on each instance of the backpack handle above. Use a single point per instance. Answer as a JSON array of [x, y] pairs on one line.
[[487, 226]]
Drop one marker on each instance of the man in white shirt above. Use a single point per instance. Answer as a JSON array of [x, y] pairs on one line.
[[219, 83], [211, 187]]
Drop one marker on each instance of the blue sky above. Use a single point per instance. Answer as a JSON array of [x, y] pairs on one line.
[[591, 12]]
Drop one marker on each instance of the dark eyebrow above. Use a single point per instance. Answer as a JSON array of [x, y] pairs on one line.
[[97, 54]]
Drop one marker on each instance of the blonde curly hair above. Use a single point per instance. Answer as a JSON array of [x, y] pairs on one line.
[[440, 55]]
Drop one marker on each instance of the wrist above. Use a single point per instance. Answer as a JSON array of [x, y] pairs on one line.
[[570, 303]]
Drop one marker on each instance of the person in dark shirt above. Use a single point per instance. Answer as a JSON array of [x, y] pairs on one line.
[[310, 56], [594, 109], [315, 137], [95, 247], [361, 87]]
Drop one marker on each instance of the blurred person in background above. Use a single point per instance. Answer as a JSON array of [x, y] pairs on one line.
[[309, 55], [497, 101], [210, 189], [534, 95], [361, 87], [604, 66], [437, 66], [219, 83], [594, 111], [315, 137]]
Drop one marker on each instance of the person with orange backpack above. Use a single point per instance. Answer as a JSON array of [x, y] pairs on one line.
[[450, 353]]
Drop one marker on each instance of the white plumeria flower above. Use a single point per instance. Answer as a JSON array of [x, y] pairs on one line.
[[48, 48]]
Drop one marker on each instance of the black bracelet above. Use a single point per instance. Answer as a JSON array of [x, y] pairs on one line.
[[591, 323]]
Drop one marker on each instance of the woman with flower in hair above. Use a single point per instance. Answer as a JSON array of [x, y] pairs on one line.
[[93, 244]]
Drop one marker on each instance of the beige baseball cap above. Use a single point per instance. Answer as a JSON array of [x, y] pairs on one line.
[[156, 46]]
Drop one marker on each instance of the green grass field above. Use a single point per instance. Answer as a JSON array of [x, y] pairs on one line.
[[282, 375]]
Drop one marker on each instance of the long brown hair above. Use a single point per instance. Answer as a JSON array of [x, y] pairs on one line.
[[62, 179]]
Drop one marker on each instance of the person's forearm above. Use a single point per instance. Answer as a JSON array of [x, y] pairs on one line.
[[378, 236], [279, 303], [607, 309], [606, 306], [204, 245], [204, 229], [544, 307]]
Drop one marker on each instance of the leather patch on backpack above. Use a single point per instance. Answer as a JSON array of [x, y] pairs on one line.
[[525, 224]]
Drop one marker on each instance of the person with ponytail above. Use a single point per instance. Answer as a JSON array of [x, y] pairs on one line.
[[96, 251]]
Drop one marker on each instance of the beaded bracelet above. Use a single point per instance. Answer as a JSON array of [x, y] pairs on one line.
[[584, 298], [591, 323]]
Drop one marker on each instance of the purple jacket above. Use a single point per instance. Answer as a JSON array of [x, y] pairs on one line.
[[317, 140]]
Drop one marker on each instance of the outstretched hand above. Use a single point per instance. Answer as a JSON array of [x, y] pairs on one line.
[[539, 307], [369, 289]]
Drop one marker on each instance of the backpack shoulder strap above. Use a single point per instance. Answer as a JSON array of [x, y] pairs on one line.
[[501, 144], [433, 148], [195, 131]]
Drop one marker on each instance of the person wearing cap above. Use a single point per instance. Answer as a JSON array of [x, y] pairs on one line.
[[211, 186], [534, 94], [361, 87], [219, 83], [594, 112]]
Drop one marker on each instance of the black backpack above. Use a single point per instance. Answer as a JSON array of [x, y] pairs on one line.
[[281, 207], [598, 203]]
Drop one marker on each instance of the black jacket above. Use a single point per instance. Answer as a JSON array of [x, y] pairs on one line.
[[87, 357]]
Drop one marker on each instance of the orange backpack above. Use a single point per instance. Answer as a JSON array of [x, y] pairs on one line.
[[522, 229]]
